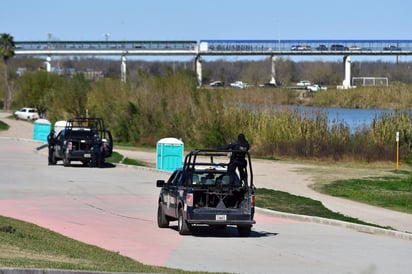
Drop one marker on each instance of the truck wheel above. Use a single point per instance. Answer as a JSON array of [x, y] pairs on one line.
[[183, 226], [244, 230], [162, 220]]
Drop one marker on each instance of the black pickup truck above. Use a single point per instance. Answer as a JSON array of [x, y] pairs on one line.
[[203, 193], [81, 139]]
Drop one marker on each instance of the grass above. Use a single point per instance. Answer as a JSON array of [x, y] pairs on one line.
[[118, 158], [4, 126], [288, 203], [29, 246], [392, 192]]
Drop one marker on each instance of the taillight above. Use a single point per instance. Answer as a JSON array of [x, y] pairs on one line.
[[69, 145], [189, 199], [252, 198]]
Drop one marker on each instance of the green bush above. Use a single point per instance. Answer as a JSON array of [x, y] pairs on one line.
[[171, 105]]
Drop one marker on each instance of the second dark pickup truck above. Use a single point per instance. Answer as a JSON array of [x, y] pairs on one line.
[[81, 140]]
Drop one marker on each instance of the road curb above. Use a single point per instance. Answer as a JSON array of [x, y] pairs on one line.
[[319, 220], [143, 168]]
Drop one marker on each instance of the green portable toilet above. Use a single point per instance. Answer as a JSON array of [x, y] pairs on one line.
[[41, 130], [169, 153]]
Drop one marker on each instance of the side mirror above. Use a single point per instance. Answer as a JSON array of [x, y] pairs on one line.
[[160, 183]]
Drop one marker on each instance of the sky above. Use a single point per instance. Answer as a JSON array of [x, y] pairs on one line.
[[35, 20]]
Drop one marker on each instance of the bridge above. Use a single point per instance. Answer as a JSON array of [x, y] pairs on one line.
[[272, 48]]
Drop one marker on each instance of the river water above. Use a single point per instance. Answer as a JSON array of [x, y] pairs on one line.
[[354, 118]]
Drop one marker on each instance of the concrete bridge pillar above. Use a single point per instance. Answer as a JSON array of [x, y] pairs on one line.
[[198, 62], [273, 74], [47, 63], [123, 69], [347, 80]]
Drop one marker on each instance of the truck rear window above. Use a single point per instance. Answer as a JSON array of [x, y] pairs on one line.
[[213, 179]]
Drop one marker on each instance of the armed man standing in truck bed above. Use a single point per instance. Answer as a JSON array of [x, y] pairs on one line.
[[237, 158]]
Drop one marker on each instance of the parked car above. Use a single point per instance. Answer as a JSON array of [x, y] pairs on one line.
[[392, 48], [216, 84], [337, 47], [304, 83], [315, 87], [355, 48], [301, 47], [27, 114], [270, 84], [322, 48], [239, 84]]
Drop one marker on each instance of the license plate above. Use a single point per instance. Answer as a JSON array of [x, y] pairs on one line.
[[220, 217], [87, 155]]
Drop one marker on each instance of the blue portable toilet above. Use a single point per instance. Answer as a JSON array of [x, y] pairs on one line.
[[169, 152], [41, 130]]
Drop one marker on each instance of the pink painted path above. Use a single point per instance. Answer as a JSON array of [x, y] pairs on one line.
[[135, 236], [133, 233]]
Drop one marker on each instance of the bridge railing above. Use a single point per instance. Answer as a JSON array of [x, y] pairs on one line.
[[306, 45], [106, 45], [222, 47]]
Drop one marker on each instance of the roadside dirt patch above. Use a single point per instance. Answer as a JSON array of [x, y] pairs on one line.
[[18, 129]]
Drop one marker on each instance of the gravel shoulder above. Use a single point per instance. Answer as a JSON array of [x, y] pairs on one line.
[[294, 178]]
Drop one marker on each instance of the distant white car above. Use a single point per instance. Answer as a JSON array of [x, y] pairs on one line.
[[304, 83], [355, 48], [301, 47], [315, 88], [27, 114], [217, 84], [239, 84]]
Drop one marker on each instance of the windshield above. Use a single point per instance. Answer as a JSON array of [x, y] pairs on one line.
[[79, 134]]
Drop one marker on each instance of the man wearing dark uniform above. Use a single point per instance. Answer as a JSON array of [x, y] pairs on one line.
[[51, 142], [237, 158]]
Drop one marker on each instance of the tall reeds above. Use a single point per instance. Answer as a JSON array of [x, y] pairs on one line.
[[172, 106]]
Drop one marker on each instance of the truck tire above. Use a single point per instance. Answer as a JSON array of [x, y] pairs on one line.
[[182, 225], [244, 230], [162, 220]]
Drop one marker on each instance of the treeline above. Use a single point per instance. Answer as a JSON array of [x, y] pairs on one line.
[[151, 107], [253, 72]]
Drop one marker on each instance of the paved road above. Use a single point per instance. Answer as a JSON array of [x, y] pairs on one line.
[[288, 177], [115, 208], [273, 175]]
